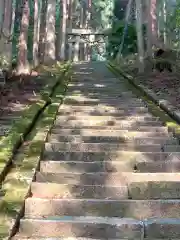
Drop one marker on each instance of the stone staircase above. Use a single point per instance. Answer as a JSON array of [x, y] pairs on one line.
[[110, 169]]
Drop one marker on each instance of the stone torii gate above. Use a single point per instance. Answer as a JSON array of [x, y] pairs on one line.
[[80, 33]]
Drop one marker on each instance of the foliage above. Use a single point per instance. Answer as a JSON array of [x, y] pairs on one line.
[[115, 39]]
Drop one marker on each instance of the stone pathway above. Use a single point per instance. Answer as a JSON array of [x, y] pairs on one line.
[[110, 169]]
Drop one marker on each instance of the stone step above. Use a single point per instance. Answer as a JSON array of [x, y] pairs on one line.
[[120, 120], [103, 178], [111, 89], [75, 178], [98, 227], [156, 229], [92, 89], [106, 101], [102, 84], [23, 237], [162, 228], [94, 97], [113, 139], [129, 156], [118, 102], [121, 113], [104, 124], [107, 120], [137, 209], [83, 167], [112, 108], [57, 190], [106, 112], [85, 95], [153, 167], [93, 132], [108, 147], [130, 185], [109, 166], [93, 80]]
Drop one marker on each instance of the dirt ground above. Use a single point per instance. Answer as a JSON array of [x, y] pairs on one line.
[[16, 94], [166, 85]]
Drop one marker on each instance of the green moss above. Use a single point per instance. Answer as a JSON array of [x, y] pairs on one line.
[[21, 127], [16, 184]]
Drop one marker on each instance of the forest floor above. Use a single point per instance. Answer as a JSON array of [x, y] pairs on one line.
[[166, 85], [16, 95]]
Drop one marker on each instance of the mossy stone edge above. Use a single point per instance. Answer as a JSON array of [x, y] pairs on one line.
[[20, 129], [17, 190], [163, 104]]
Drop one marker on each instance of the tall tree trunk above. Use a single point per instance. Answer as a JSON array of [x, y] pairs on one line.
[[42, 30], [154, 23], [36, 33], [140, 35], [149, 28], [23, 65], [50, 53], [6, 34], [17, 24], [58, 30], [70, 25], [2, 6], [165, 36], [63, 19]]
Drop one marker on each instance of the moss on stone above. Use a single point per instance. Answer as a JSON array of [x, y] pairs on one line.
[[17, 183], [9, 143]]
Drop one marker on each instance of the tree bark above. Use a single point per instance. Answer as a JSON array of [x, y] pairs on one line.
[[6, 34], [165, 35], [140, 35], [63, 19], [50, 42], [36, 34], [154, 22], [42, 33], [149, 28], [23, 65], [2, 9]]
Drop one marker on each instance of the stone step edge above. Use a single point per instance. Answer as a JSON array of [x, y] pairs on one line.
[[38, 199], [79, 138], [125, 180], [22, 237], [150, 228], [110, 167], [55, 146]]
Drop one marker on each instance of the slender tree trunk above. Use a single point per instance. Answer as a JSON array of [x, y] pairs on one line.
[[58, 31], [165, 37], [17, 24], [36, 33], [140, 35], [23, 65], [50, 53], [154, 23], [63, 19], [42, 33], [70, 24], [2, 6], [6, 34], [149, 28]]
